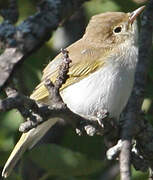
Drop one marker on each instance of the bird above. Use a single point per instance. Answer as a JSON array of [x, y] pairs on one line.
[[100, 76]]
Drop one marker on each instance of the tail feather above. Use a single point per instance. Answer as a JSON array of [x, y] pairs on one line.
[[27, 140]]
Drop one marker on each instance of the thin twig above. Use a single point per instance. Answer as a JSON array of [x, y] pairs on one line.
[[54, 89]]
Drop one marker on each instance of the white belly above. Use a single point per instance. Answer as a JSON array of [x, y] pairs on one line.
[[104, 89]]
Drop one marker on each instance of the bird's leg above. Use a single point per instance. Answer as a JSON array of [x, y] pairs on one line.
[[100, 124], [102, 115], [93, 128]]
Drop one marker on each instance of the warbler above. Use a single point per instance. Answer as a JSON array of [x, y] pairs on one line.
[[101, 74]]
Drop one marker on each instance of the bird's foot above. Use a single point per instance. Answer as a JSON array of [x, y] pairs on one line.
[[102, 115]]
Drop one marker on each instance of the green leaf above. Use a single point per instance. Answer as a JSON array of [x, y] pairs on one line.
[[63, 162]]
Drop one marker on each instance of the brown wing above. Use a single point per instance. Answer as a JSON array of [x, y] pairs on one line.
[[85, 60]]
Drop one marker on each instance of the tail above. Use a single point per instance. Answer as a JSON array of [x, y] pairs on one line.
[[27, 140]]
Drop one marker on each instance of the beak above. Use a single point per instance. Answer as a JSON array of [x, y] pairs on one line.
[[135, 13]]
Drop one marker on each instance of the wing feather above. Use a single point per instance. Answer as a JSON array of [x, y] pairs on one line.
[[85, 60]]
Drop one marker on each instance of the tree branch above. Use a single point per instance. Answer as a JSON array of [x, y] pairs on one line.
[[11, 13], [32, 32], [132, 115]]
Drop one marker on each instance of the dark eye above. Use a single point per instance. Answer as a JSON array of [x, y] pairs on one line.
[[118, 29]]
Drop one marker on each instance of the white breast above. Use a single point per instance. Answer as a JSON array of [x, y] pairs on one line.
[[109, 88]]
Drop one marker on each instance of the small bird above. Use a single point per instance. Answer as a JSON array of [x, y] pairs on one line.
[[101, 74]]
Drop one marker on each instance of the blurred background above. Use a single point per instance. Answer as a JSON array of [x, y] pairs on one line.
[[61, 154]]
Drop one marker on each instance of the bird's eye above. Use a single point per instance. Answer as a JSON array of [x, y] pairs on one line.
[[118, 29]]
